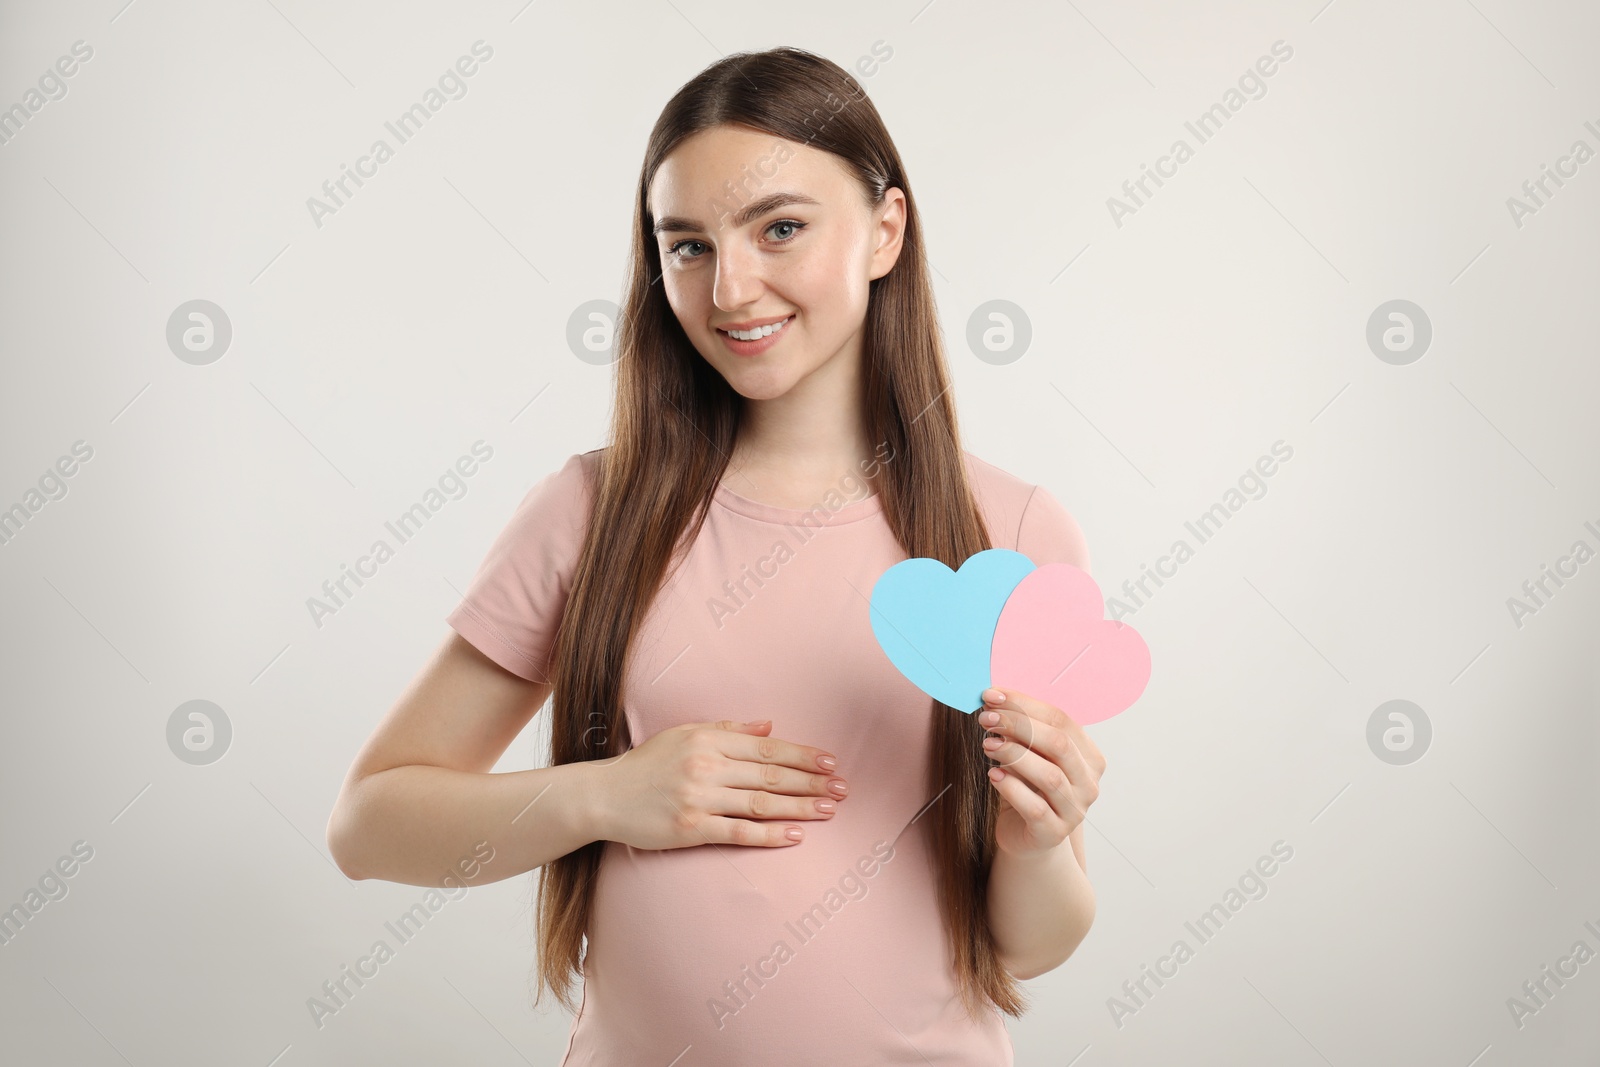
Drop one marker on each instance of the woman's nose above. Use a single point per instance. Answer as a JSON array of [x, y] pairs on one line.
[[738, 279]]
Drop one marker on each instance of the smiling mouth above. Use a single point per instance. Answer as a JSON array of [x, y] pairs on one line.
[[759, 332]]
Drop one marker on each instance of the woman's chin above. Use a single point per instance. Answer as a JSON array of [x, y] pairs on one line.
[[764, 389], [757, 383]]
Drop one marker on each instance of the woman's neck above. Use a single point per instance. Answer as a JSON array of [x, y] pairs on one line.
[[794, 449]]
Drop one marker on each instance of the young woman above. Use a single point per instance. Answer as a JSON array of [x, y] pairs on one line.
[[759, 843]]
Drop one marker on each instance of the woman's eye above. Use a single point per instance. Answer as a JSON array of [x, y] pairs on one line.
[[791, 224], [675, 250]]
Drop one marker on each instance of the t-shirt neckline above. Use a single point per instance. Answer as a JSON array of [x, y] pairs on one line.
[[819, 514]]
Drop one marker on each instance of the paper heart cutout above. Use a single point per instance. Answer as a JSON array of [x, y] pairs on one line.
[[1054, 643], [937, 625]]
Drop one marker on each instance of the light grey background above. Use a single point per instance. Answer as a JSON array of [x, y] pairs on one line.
[[1167, 354]]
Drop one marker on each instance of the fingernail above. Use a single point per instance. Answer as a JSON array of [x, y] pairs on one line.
[[989, 718], [763, 722], [827, 763], [994, 696], [793, 833]]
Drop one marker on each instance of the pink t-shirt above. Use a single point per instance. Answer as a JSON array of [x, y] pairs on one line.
[[826, 952]]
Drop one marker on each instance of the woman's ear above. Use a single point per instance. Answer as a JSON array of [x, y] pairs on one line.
[[889, 223]]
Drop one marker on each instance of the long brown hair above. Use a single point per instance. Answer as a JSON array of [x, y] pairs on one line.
[[674, 422]]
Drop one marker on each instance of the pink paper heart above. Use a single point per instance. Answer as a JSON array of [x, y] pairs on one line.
[[1054, 643]]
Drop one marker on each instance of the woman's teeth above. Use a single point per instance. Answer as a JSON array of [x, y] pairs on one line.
[[759, 332]]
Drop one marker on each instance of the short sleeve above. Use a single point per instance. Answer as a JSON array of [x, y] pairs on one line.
[[1049, 534], [513, 608]]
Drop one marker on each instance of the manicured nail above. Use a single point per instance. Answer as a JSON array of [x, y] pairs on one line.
[[793, 833], [989, 718], [994, 696], [827, 763]]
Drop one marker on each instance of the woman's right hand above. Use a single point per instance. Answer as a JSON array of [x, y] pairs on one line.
[[717, 783]]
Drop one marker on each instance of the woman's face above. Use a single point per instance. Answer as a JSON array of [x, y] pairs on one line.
[[806, 254]]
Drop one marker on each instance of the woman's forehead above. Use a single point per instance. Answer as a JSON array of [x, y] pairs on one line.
[[724, 161]]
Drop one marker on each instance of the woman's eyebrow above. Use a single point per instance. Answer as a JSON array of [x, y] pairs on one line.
[[752, 210]]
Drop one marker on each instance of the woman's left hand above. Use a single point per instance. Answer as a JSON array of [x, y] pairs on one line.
[[1047, 771]]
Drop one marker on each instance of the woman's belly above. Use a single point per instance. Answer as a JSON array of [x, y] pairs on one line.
[[831, 951]]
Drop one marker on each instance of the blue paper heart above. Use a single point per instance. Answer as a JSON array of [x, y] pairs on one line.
[[937, 625]]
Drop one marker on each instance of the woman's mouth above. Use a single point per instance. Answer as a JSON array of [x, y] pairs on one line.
[[754, 342]]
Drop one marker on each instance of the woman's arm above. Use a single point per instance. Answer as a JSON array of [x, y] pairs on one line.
[[419, 801], [1040, 902], [1040, 908]]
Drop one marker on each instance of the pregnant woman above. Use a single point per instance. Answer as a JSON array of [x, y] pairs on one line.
[[759, 844]]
